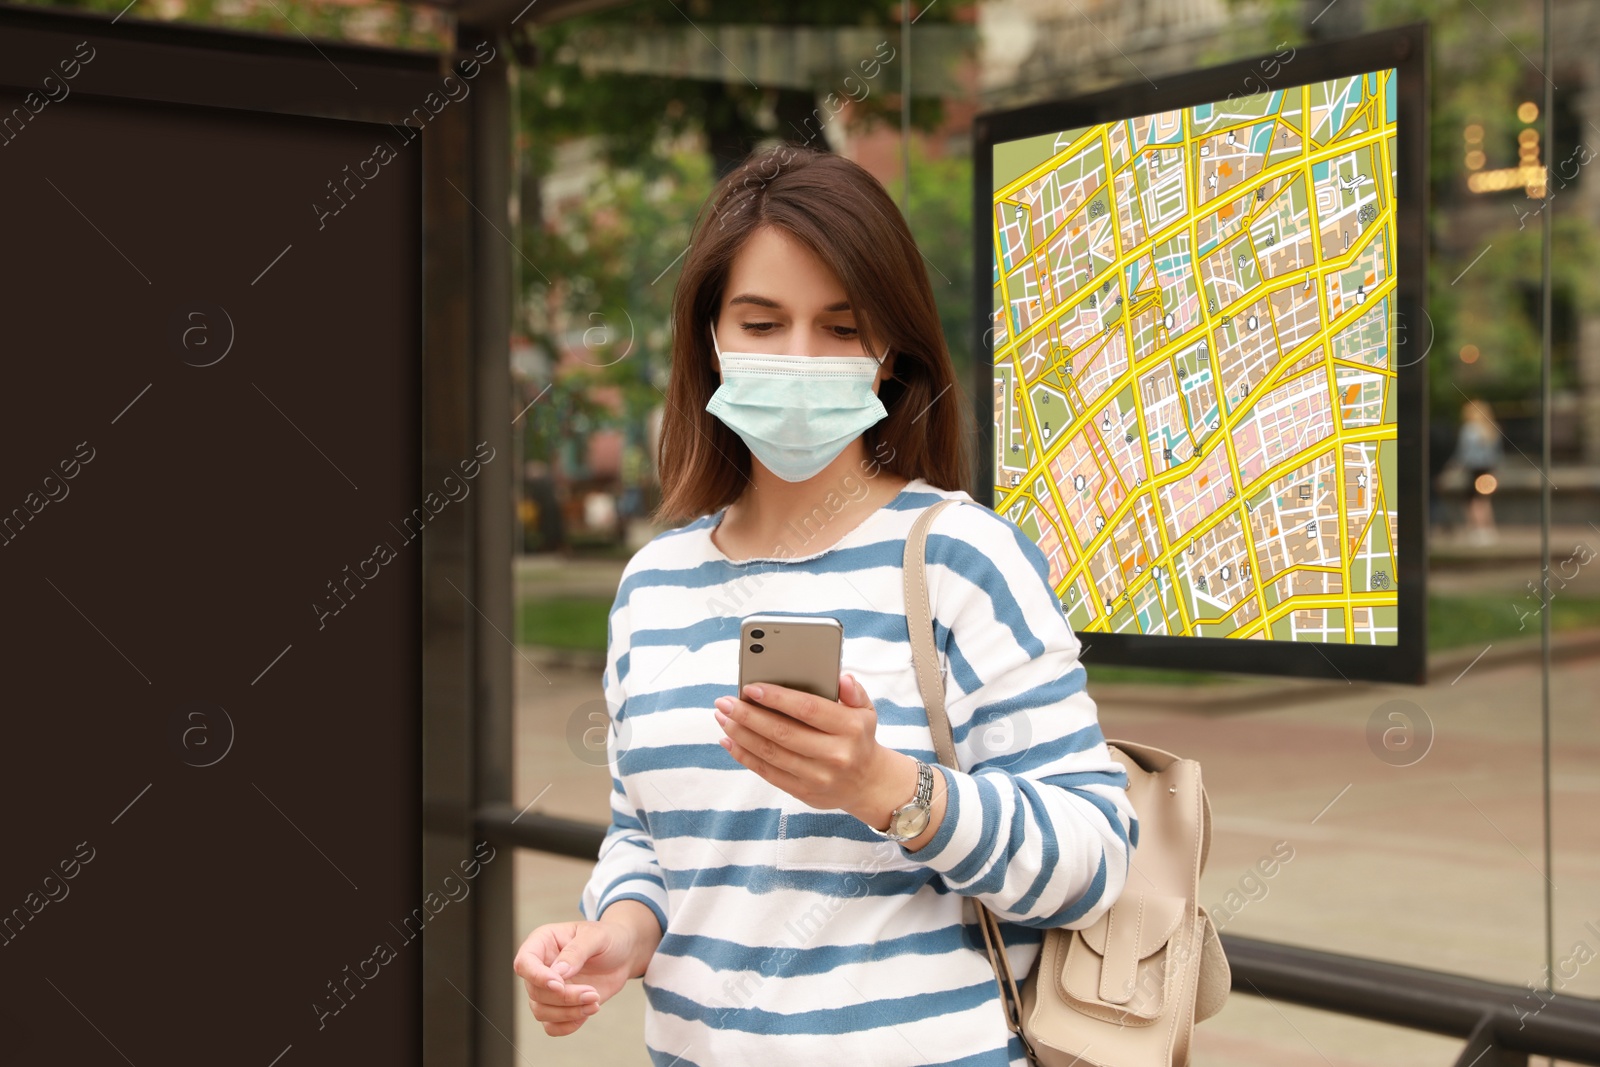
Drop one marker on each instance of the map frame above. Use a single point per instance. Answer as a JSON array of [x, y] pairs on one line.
[[1403, 49]]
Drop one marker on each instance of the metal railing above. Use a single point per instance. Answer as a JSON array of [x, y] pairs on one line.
[[1502, 1024]]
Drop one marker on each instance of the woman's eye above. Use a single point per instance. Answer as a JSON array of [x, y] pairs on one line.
[[844, 333]]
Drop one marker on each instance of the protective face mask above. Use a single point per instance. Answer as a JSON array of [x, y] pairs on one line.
[[796, 412]]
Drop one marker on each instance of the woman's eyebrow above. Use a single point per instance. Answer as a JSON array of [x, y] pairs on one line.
[[752, 298], [768, 302]]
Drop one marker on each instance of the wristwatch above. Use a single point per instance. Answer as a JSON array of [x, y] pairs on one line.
[[911, 818]]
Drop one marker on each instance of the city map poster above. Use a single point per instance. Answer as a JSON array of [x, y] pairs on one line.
[[1194, 376]]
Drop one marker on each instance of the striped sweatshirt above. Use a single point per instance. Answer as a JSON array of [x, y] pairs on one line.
[[793, 935]]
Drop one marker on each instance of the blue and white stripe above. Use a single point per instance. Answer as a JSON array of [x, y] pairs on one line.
[[792, 934]]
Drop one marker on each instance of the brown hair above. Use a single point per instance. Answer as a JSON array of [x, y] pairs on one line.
[[836, 208]]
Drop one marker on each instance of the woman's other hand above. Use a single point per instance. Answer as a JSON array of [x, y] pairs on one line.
[[571, 968]]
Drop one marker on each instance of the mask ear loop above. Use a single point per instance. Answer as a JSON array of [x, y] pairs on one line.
[[892, 377], [716, 349]]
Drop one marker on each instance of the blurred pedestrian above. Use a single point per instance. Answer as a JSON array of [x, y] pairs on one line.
[[1478, 454]]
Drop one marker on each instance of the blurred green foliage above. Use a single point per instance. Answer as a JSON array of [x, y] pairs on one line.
[[387, 23], [1481, 72], [597, 271], [629, 115], [597, 282]]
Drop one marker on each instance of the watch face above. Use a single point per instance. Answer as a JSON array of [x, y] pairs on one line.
[[911, 823]]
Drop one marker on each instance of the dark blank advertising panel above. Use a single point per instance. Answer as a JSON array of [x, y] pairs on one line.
[[210, 523]]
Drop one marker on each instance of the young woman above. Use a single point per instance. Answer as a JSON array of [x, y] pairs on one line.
[[775, 870]]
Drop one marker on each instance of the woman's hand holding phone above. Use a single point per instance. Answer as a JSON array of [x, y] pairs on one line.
[[823, 752]]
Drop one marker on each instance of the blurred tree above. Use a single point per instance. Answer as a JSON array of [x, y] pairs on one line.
[[628, 113], [598, 271], [1478, 76], [940, 216], [599, 290], [392, 23]]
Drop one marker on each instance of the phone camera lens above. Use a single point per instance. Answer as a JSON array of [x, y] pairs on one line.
[[755, 648], [758, 634]]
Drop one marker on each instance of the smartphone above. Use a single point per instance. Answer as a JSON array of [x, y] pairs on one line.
[[798, 651]]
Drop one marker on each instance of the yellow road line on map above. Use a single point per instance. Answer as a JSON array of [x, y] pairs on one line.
[[1111, 194], [1295, 462], [1325, 601], [1340, 499], [1324, 315], [1350, 364]]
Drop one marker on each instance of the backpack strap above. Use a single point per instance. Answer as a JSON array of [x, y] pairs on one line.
[[925, 655], [919, 623]]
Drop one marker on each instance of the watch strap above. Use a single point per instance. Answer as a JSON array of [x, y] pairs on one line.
[[922, 798]]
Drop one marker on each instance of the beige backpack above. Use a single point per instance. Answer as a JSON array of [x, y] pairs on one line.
[[1127, 991]]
